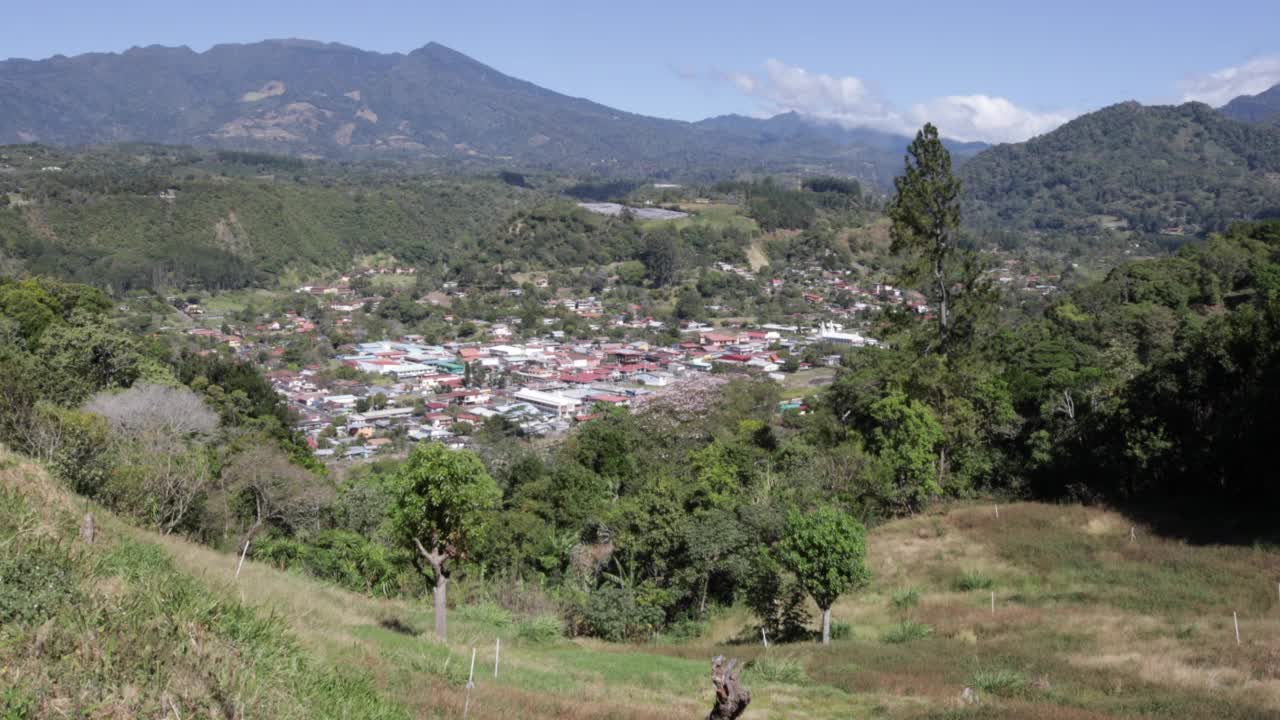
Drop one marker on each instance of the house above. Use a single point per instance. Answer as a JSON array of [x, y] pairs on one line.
[[654, 379], [559, 405], [718, 339]]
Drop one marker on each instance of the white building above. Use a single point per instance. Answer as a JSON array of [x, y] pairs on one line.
[[559, 404], [834, 333]]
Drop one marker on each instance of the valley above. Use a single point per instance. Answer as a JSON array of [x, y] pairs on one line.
[[381, 384]]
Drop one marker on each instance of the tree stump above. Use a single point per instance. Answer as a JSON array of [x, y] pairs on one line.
[[731, 698], [87, 530]]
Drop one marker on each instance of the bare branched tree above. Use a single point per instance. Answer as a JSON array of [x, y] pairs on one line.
[[161, 433], [155, 410], [281, 493]]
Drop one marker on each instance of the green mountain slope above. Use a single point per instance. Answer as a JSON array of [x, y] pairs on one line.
[[431, 105], [126, 217], [1129, 168]]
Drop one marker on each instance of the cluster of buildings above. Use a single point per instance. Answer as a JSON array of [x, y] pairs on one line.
[[406, 391]]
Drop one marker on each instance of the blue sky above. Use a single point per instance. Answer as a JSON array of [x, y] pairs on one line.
[[993, 71]]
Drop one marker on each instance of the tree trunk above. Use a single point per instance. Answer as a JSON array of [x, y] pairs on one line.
[[437, 558], [439, 605], [731, 698], [944, 323], [826, 626]]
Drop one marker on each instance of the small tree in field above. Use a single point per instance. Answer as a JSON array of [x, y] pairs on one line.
[[826, 549], [442, 500]]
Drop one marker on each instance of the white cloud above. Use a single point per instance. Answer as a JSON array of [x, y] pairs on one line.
[[1220, 87], [986, 118], [849, 101]]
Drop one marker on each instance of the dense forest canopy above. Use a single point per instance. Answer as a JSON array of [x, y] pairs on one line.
[[1128, 171]]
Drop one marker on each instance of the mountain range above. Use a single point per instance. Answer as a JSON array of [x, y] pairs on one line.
[[435, 104], [1262, 109], [1127, 167]]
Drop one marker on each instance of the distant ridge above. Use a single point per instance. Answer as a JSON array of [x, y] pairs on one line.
[[1260, 109], [1177, 171], [434, 104]]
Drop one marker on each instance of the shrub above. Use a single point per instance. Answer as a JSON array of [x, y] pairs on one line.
[[906, 599], [616, 614], [36, 579], [540, 629], [485, 613], [16, 704], [973, 580], [779, 603], [906, 631], [774, 668], [687, 629], [1000, 681], [841, 631]]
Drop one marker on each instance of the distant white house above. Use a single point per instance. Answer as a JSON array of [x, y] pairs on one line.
[[551, 402], [834, 333]]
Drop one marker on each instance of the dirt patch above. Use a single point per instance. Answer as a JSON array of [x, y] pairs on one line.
[[271, 89], [342, 135], [231, 235], [756, 256], [38, 223]]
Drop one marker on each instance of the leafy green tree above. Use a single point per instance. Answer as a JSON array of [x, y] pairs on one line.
[[906, 436], [826, 549], [631, 272], [661, 256], [689, 305], [30, 306], [443, 500], [86, 355]]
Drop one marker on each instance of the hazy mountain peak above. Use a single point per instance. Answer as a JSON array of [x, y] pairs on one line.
[[1263, 108]]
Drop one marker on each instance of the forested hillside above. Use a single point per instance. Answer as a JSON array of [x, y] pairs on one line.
[[1127, 171], [139, 219], [433, 106]]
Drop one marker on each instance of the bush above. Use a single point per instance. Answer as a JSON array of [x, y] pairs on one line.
[[906, 599], [906, 631], [36, 579], [779, 603], [999, 681], [540, 629], [782, 669], [616, 614], [841, 631], [485, 613], [973, 580], [338, 556], [16, 704], [687, 629]]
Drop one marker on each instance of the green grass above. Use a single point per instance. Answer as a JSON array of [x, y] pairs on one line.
[[776, 668], [1061, 645], [117, 630], [999, 681], [906, 631], [973, 580], [540, 629], [905, 599]]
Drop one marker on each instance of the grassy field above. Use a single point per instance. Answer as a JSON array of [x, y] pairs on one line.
[[713, 214], [1087, 624], [803, 383]]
